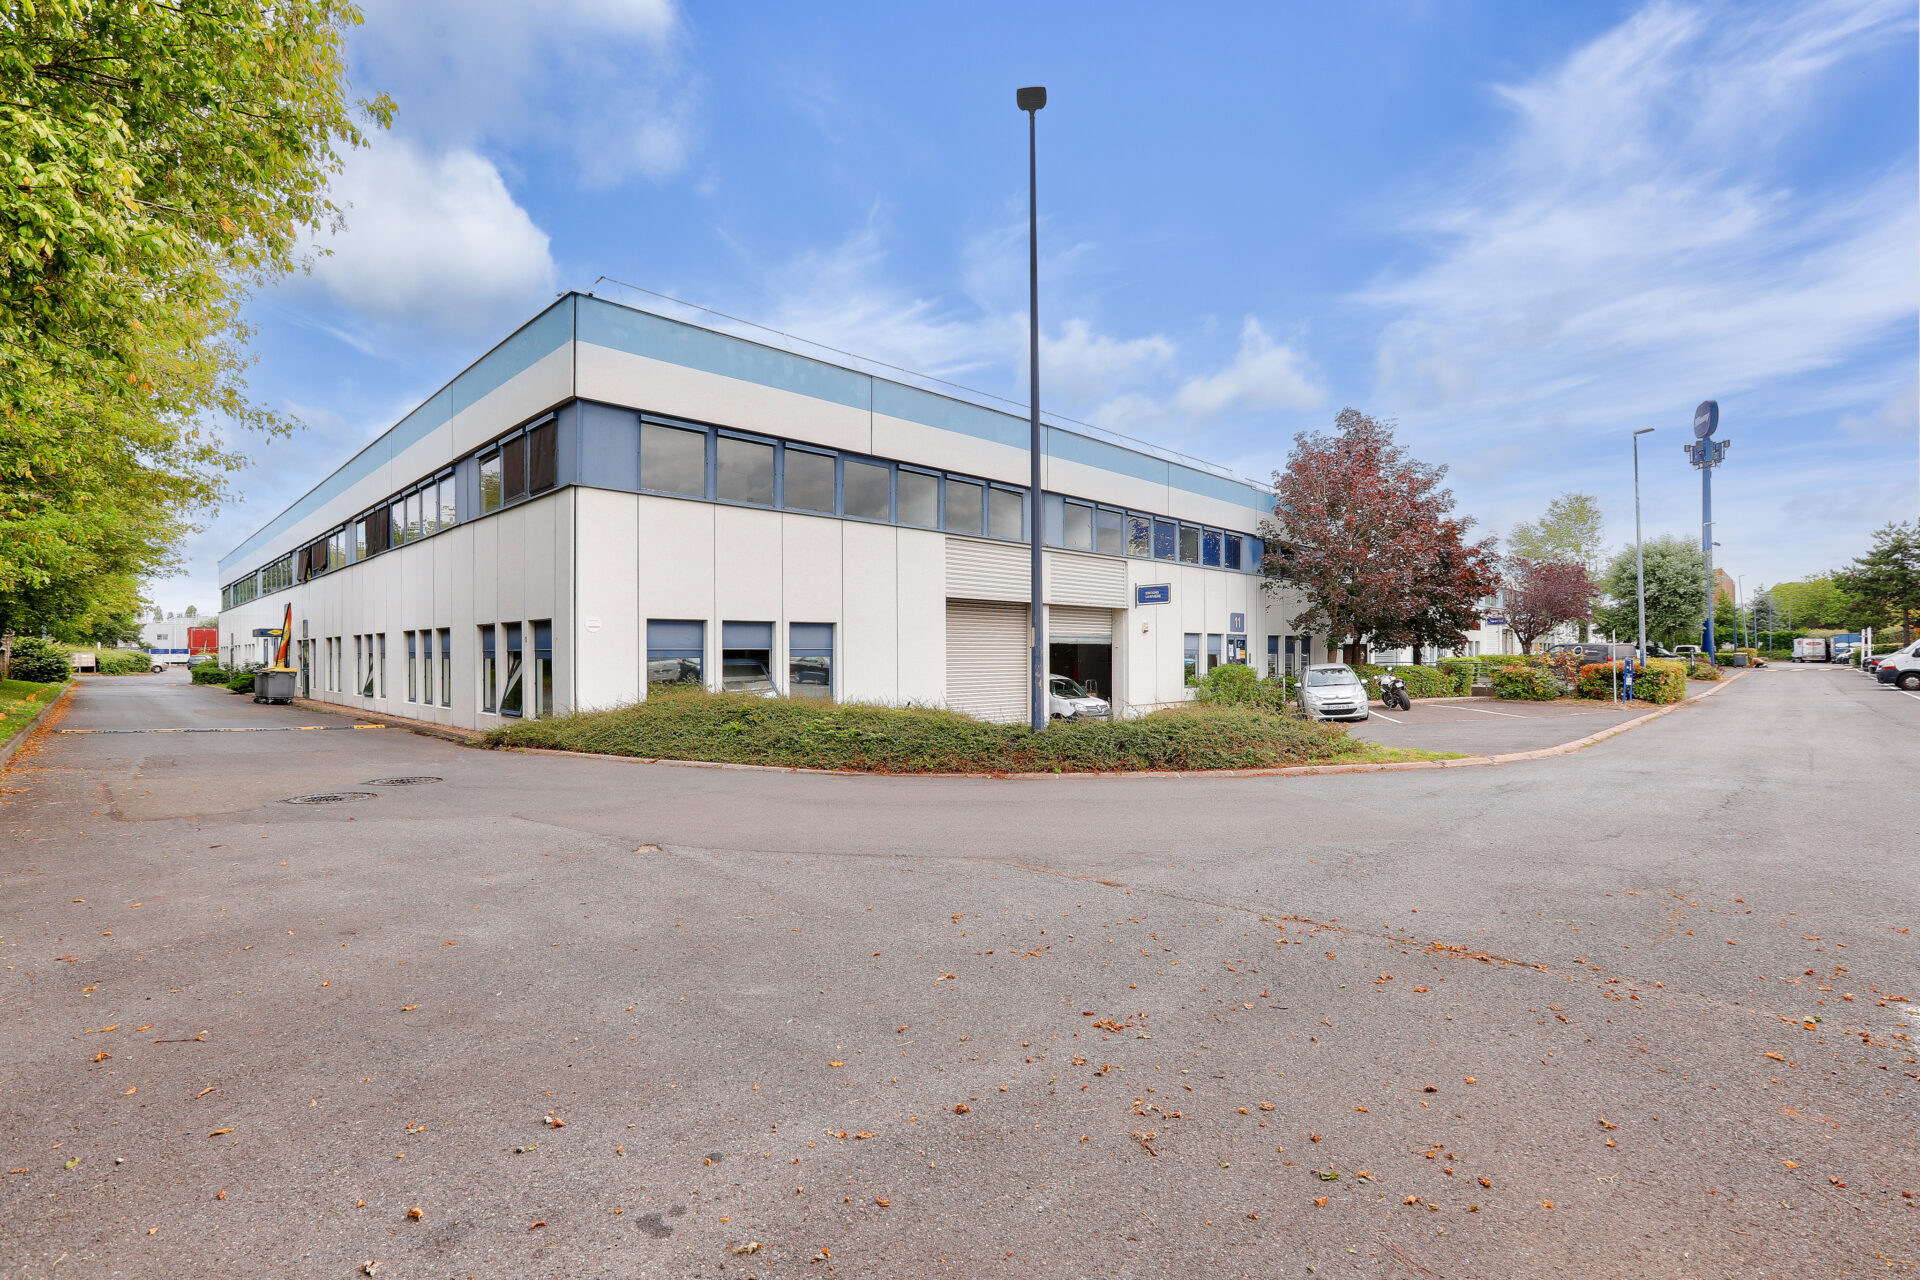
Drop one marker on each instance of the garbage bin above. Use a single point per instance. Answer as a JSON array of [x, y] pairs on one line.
[[274, 684], [1737, 659]]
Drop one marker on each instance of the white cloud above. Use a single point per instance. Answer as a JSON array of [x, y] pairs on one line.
[[431, 238], [1264, 376], [1635, 221], [604, 81]]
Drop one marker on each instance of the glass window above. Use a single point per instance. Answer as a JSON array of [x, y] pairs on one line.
[[673, 460], [675, 652], [1256, 552], [746, 658], [543, 457], [919, 499], [445, 489], [866, 490], [1189, 544], [964, 500], [1166, 537], [743, 471], [1139, 536], [1213, 652], [413, 516], [809, 481], [810, 660], [446, 667], [397, 522], [413, 666], [1233, 551], [1004, 510], [360, 540], [487, 661], [510, 692], [1108, 539], [489, 488], [365, 666], [513, 472], [1053, 520], [542, 669], [1192, 650], [1210, 547], [1079, 526], [380, 647]]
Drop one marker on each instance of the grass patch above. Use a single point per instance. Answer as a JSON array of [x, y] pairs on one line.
[[21, 701], [812, 734]]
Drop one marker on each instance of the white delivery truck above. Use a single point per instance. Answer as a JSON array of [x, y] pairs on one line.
[[1810, 649]]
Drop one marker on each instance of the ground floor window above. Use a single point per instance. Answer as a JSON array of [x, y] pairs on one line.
[[1192, 651], [1273, 656], [413, 666], [380, 651], [543, 669], [810, 659], [675, 652], [446, 667], [363, 661], [746, 657], [510, 688], [1237, 650], [1213, 652], [487, 661]]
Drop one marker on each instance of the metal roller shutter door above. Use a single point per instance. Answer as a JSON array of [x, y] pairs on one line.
[[987, 659], [1070, 624]]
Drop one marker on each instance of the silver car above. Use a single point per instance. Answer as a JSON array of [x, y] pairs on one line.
[[1331, 691]]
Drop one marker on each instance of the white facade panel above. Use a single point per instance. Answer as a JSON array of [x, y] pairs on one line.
[[608, 634], [619, 377], [869, 640]]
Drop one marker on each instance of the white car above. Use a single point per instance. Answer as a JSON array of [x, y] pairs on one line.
[[1901, 668], [1331, 691], [1067, 700]]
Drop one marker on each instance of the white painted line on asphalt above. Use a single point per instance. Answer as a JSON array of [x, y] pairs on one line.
[[1387, 718], [1915, 696], [1482, 711]]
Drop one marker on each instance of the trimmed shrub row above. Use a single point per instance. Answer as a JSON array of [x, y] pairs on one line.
[[38, 662], [1660, 681], [1527, 682]]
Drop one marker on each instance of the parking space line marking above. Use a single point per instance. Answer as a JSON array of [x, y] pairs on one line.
[[1388, 718], [1508, 714], [1910, 695]]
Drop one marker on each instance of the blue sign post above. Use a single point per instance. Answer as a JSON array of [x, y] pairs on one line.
[[1629, 680]]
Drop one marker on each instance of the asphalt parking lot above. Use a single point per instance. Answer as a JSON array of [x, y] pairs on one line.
[[1588, 1015], [1490, 726]]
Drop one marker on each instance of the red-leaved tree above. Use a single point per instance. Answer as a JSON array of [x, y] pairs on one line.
[[1368, 536], [1542, 594]]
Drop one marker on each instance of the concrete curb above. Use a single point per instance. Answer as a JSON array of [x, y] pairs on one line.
[[425, 728], [26, 730], [1290, 771]]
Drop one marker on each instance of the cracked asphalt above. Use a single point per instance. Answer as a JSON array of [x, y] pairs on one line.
[[1643, 1010]]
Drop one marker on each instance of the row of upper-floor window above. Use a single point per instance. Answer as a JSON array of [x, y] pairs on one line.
[[720, 465], [717, 464]]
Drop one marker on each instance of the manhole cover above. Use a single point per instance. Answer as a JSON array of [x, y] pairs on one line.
[[330, 797], [398, 782]]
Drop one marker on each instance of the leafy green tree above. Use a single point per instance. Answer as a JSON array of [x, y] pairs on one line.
[[1885, 583], [1569, 532], [1816, 603], [1676, 591], [161, 159]]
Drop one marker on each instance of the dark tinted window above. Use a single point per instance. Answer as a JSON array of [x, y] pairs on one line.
[[543, 460], [809, 481], [743, 471]]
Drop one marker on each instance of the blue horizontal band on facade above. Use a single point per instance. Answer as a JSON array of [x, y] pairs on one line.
[[578, 317]]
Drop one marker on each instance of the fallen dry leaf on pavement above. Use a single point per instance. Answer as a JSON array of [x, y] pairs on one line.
[[416, 1213], [217, 1132]]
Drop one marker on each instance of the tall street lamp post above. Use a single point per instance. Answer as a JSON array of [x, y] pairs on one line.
[[1030, 100], [1639, 557]]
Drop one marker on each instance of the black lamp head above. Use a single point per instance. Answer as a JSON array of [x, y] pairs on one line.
[[1032, 98]]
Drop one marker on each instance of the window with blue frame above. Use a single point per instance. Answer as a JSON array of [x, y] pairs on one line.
[[1166, 539], [918, 498], [1108, 539], [1233, 551], [673, 460], [810, 660], [965, 506], [866, 490], [676, 652], [1139, 535], [1210, 547], [1189, 544], [1006, 514], [746, 658], [743, 471], [808, 482]]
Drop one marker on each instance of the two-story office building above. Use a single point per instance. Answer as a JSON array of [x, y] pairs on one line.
[[611, 499]]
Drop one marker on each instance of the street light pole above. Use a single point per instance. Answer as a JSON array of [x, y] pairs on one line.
[[1031, 100], [1639, 556]]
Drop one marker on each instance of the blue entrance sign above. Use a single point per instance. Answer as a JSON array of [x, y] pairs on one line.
[[1236, 622], [1161, 594]]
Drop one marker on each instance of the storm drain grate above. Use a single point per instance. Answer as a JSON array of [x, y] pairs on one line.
[[330, 797], [404, 781]]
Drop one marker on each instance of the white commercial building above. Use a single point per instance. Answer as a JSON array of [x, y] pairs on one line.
[[611, 498]]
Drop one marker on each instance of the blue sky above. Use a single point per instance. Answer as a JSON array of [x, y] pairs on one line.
[[1522, 230]]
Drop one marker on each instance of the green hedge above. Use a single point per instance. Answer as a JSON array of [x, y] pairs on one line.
[[1234, 684], [240, 681], [815, 733], [1526, 682], [1703, 671], [121, 662], [38, 662], [212, 673], [1661, 681]]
